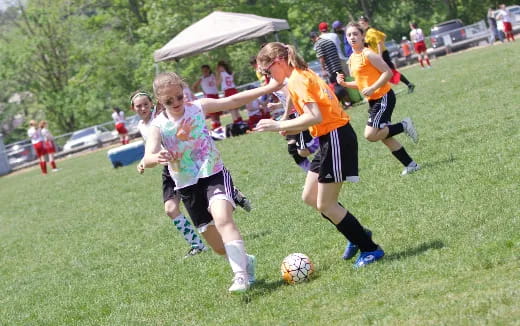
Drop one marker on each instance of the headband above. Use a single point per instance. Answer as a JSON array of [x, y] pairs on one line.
[[139, 94]]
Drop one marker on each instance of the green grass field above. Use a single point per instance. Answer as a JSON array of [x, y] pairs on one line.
[[90, 245]]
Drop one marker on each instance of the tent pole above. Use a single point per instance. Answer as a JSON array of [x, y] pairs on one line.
[[156, 65], [276, 37]]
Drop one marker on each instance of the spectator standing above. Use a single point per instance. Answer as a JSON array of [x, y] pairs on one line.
[[327, 54], [406, 48], [37, 142], [339, 29], [208, 83], [376, 42], [226, 80], [50, 148], [503, 15], [119, 120], [492, 22], [334, 37], [417, 37]]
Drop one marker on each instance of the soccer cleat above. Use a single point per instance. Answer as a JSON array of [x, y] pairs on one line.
[[369, 257], [240, 285], [195, 251], [352, 249], [411, 88], [410, 130], [242, 200], [55, 170], [410, 169], [251, 264]]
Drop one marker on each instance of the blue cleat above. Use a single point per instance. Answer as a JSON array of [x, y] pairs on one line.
[[369, 257], [352, 249]]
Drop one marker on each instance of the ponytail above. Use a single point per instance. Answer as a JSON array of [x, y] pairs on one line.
[[276, 50]]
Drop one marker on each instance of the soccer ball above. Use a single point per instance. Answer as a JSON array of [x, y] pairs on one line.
[[296, 268]]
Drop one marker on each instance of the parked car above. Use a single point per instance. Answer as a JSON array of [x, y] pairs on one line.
[[394, 49], [315, 66], [20, 153], [87, 138], [441, 30]]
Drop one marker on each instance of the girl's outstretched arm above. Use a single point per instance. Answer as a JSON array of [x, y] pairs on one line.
[[211, 105], [153, 154], [311, 116]]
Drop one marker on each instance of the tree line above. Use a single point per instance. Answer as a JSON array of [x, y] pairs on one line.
[[71, 61]]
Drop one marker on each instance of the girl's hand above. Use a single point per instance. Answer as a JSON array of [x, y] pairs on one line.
[[183, 133], [164, 157], [367, 91], [274, 85], [140, 167], [340, 78], [267, 125]]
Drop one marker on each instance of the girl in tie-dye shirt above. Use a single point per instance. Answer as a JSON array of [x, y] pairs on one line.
[[196, 167]]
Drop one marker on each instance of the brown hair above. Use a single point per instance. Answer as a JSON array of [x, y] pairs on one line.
[[274, 50], [226, 66], [165, 79], [137, 94], [357, 26], [43, 123]]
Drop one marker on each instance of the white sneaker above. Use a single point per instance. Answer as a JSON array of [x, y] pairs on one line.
[[409, 129], [251, 264], [410, 169], [240, 285], [55, 170]]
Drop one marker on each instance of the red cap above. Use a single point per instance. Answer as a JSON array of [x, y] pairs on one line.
[[323, 27]]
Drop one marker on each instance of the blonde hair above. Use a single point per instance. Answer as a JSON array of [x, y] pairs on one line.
[[276, 50], [165, 79], [43, 123], [33, 123]]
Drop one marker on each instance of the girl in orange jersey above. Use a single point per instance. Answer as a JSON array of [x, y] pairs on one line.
[[320, 111], [371, 76]]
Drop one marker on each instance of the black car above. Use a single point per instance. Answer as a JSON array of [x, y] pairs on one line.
[[442, 30]]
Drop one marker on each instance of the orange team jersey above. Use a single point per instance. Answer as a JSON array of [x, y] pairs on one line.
[[306, 87], [406, 49], [366, 74], [373, 37]]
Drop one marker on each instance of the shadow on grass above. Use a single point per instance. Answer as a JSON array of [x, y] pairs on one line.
[[256, 235], [260, 288], [432, 164], [436, 244]]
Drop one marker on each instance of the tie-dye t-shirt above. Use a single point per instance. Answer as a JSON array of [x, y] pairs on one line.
[[189, 142]]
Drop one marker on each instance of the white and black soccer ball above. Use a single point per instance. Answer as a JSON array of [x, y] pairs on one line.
[[296, 268]]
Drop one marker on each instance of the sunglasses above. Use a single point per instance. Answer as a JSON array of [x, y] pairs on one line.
[[169, 101], [267, 70]]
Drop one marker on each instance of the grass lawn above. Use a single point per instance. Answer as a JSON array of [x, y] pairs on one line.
[[90, 245]]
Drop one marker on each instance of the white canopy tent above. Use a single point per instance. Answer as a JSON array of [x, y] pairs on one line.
[[216, 30]]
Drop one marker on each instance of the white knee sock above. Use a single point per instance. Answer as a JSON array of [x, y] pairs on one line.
[[186, 229], [236, 254]]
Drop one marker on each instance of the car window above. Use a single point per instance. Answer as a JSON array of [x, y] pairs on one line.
[[83, 133], [441, 28]]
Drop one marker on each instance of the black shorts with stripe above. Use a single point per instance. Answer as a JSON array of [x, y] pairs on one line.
[[198, 198], [380, 110], [337, 160], [168, 185]]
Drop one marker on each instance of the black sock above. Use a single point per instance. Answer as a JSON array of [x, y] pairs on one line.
[[402, 156], [355, 233], [395, 129], [405, 80]]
